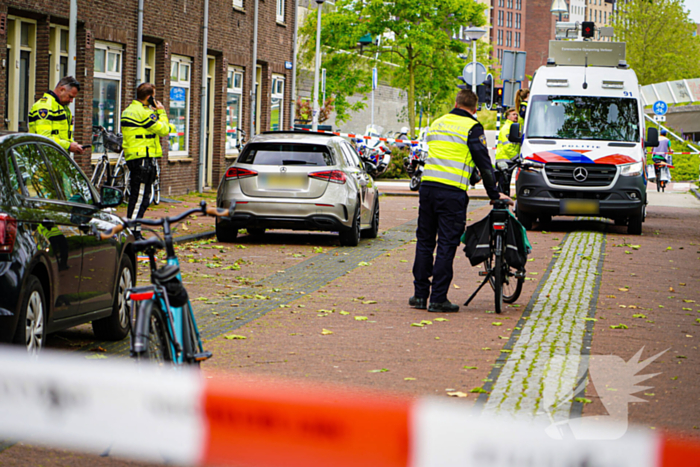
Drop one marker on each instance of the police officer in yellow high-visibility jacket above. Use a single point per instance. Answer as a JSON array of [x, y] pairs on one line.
[[506, 150], [50, 116], [142, 124], [456, 145]]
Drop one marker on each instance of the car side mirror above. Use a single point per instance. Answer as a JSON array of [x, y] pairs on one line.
[[514, 135], [111, 196], [652, 138]]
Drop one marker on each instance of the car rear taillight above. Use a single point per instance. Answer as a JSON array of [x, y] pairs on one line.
[[238, 173], [8, 233], [335, 176]]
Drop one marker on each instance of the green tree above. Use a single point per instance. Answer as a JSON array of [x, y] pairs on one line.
[[659, 37], [416, 38]]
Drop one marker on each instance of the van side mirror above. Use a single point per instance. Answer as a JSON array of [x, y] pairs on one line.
[[652, 138], [514, 135]]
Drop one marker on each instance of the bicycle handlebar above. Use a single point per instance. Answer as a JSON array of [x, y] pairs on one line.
[[203, 208]]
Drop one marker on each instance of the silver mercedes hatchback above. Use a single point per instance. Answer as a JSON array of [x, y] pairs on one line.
[[299, 181]]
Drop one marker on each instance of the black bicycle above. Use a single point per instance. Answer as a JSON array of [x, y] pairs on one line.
[[505, 277], [103, 174], [163, 326]]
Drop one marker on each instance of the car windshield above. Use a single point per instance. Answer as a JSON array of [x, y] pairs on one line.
[[583, 117], [287, 154]]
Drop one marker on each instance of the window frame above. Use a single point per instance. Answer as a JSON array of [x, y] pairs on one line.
[[233, 72], [275, 93], [118, 49], [56, 54], [23, 186], [187, 85], [238, 4], [55, 174], [148, 63], [279, 11]]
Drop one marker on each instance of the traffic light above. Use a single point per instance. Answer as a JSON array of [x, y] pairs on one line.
[[464, 84], [485, 92], [588, 29], [498, 96]]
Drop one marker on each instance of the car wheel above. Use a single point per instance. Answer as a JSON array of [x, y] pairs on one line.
[[373, 230], [255, 232], [525, 219], [31, 327], [115, 327], [635, 224], [351, 236], [225, 234]]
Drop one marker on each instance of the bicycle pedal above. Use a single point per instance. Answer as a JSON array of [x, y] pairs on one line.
[[200, 357], [483, 273]]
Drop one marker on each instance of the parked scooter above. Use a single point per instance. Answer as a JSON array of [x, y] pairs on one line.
[[415, 163], [374, 151]]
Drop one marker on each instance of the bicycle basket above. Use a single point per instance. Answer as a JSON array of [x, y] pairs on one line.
[[112, 141], [167, 277]]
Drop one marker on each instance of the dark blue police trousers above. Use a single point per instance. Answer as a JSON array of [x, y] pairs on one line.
[[442, 215]]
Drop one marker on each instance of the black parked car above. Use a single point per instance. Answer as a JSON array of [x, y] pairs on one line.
[[53, 273]]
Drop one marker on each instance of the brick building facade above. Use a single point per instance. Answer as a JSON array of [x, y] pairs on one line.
[[35, 35]]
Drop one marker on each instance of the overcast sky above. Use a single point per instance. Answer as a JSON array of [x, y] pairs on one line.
[[694, 7]]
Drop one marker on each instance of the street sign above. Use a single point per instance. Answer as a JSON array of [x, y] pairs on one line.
[[513, 65], [509, 90], [288, 65], [660, 108], [659, 118], [468, 72]]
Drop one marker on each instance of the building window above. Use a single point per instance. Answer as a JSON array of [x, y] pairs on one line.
[[500, 18], [517, 40], [517, 21], [280, 11], [58, 54], [234, 101], [518, 4], [508, 38], [500, 37], [19, 72], [500, 54], [106, 89], [179, 112], [501, 3], [510, 3], [509, 22], [148, 63], [277, 103], [238, 4]]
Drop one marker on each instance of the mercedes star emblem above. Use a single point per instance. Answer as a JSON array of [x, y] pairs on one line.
[[283, 169], [580, 174]]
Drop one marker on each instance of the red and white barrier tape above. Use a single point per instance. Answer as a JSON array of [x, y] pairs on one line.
[[353, 135], [673, 153], [179, 417]]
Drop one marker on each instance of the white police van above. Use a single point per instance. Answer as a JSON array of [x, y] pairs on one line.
[[584, 127]]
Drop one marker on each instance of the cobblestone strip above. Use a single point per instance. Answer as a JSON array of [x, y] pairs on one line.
[[544, 361], [284, 287]]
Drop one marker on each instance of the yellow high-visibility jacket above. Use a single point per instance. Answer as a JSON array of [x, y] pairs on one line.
[[48, 117], [449, 159], [505, 149], [141, 128]]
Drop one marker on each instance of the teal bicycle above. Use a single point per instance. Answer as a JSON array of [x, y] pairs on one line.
[[163, 326]]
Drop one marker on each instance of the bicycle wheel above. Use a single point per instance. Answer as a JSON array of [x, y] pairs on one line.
[[498, 283], [127, 182], [158, 347], [513, 284], [118, 177], [98, 174]]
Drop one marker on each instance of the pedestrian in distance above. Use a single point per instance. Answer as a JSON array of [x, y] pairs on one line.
[[142, 123], [661, 156], [50, 116], [456, 148], [505, 149], [521, 96]]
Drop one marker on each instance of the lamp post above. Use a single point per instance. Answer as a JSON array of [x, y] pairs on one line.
[[316, 108], [474, 34], [559, 6]]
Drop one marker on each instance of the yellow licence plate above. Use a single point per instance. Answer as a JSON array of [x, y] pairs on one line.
[[579, 206], [283, 181]]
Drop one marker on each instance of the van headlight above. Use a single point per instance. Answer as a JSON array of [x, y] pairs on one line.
[[631, 170]]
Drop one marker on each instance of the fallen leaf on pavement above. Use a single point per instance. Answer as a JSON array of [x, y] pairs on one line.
[[235, 336], [470, 368], [457, 394], [478, 391], [360, 318], [326, 332], [383, 370], [496, 323], [441, 319], [409, 379], [369, 302], [619, 326]]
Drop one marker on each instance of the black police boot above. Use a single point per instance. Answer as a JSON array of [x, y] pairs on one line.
[[444, 307], [419, 303]]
